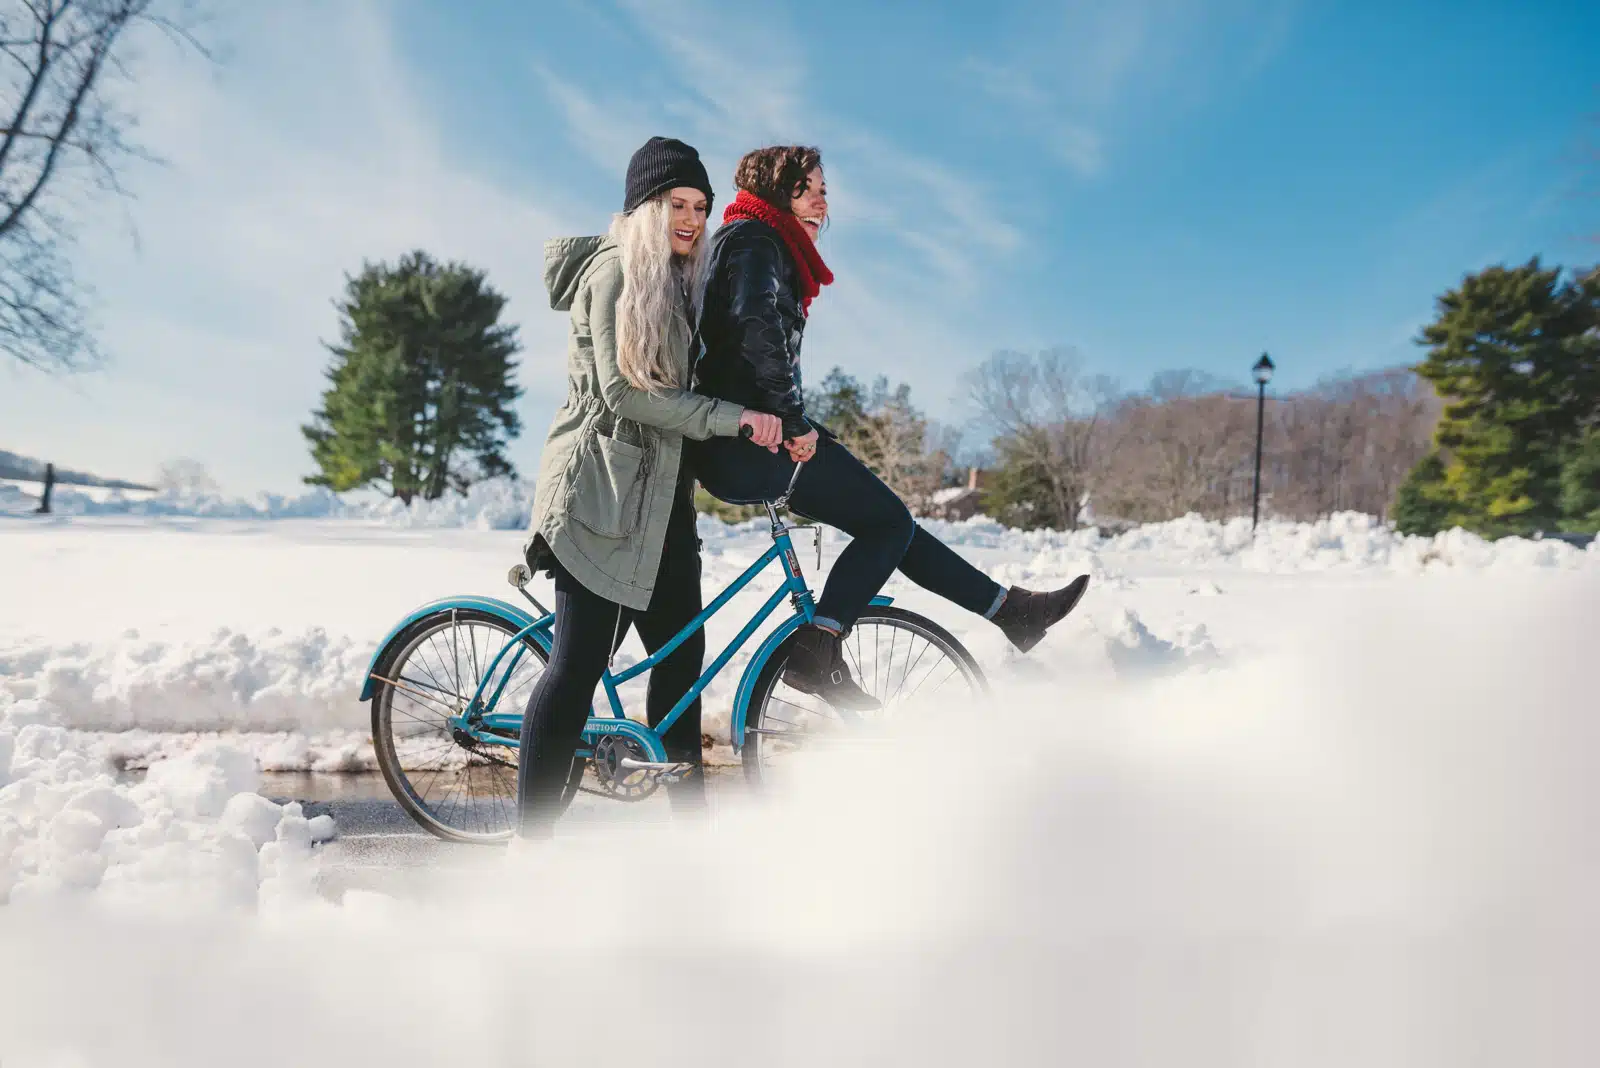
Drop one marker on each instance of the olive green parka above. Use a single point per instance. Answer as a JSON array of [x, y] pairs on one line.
[[611, 458]]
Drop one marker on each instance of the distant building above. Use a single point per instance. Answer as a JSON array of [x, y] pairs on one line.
[[958, 502]]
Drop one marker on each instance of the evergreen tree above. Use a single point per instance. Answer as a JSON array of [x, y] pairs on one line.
[[839, 402], [1422, 504], [423, 381], [1515, 353], [882, 428], [1580, 485]]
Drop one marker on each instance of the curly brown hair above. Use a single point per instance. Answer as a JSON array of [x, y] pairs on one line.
[[777, 174]]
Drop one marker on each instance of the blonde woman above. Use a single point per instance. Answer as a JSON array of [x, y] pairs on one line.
[[613, 514]]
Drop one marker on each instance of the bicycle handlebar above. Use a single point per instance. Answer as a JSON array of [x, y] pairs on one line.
[[748, 431]]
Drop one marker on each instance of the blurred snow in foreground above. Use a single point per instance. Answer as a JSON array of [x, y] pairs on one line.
[[1351, 824]]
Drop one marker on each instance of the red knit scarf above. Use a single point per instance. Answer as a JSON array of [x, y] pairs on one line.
[[814, 274]]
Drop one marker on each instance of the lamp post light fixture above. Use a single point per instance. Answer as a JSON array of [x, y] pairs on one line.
[[1262, 373]]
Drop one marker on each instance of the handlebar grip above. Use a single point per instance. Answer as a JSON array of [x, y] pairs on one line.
[[746, 430]]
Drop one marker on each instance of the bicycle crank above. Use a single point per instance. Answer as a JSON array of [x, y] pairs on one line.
[[623, 768]]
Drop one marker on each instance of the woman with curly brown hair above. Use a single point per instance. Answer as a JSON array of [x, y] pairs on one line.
[[763, 274]]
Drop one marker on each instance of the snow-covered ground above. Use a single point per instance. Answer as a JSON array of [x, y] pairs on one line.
[[1320, 797]]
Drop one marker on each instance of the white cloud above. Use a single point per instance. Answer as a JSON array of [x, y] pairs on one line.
[[1069, 73], [752, 78], [302, 156], [608, 133]]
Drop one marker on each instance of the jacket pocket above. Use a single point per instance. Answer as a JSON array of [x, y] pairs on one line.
[[607, 491]]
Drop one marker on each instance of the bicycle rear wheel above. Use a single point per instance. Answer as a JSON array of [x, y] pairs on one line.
[[899, 657], [456, 787]]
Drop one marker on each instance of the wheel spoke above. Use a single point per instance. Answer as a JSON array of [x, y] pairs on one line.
[[926, 656], [462, 789]]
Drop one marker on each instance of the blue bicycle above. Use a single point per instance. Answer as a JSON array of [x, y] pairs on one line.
[[449, 683]]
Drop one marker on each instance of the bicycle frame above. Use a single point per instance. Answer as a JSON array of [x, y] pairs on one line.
[[489, 727]]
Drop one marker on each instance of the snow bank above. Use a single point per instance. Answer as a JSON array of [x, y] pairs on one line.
[[1346, 540], [1343, 540], [267, 682], [496, 504], [292, 686], [292, 699], [328, 751], [193, 830]]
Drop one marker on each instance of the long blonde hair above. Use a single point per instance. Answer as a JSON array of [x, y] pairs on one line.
[[656, 284]]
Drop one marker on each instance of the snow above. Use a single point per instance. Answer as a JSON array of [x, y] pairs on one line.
[[949, 493], [496, 504], [147, 629], [192, 829], [1318, 797]]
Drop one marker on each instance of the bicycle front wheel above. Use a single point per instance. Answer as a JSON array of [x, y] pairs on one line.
[[899, 657]]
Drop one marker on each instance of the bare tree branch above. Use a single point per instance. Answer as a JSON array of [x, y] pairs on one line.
[[59, 128], [1187, 443], [1047, 417]]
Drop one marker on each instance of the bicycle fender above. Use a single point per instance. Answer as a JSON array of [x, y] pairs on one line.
[[509, 612], [758, 660]]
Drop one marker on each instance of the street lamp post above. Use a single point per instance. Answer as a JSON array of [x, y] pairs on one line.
[[1262, 372]]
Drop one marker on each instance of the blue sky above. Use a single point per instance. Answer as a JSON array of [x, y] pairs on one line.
[[1157, 183]]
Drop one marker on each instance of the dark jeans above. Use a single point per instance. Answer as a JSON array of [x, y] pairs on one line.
[[586, 625], [837, 489]]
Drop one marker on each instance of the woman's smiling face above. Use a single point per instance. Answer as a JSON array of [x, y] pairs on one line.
[[688, 218], [811, 206]]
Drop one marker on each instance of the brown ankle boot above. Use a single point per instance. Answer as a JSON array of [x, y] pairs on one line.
[[816, 666], [1025, 616]]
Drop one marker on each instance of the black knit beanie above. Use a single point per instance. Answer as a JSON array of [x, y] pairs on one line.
[[665, 163]]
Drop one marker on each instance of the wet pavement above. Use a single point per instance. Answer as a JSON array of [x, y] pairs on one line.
[[378, 847]]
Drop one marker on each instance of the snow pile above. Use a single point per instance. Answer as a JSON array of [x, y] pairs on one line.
[[192, 830], [14, 499], [1136, 651], [1052, 567], [982, 532], [495, 504], [1344, 541], [229, 680]]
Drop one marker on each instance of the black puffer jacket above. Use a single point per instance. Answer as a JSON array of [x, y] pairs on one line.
[[751, 325]]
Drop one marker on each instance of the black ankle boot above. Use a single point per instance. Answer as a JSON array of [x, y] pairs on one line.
[[817, 666], [1025, 615]]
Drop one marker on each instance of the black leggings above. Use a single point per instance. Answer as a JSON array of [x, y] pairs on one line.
[[837, 489], [586, 625]]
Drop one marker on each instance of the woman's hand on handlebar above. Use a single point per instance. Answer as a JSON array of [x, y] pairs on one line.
[[803, 448], [763, 429]]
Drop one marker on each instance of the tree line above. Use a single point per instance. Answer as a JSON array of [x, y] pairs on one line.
[[1068, 443], [1496, 429]]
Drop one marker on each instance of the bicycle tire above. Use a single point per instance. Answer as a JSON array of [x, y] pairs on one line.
[[436, 818], [759, 714]]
